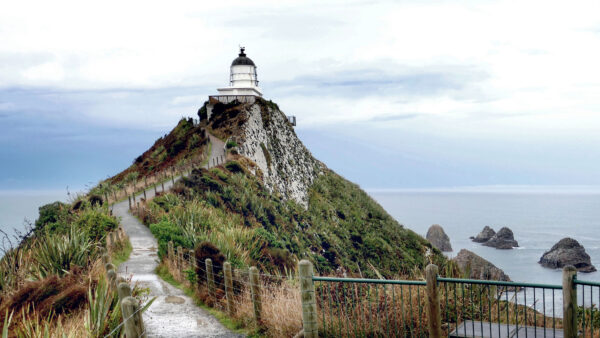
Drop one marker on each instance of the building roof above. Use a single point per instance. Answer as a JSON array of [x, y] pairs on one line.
[[242, 59]]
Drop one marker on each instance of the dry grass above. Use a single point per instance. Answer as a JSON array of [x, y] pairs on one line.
[[281, 303]]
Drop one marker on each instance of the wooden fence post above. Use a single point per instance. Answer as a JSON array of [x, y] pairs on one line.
[[180, 261], [433, 302], [162, 183], [123, 290], [145, 199], [110, 266], [173, 176], [111, 275], [255, 293], [132, 318], [309, 303], [192, 259], [133, 197], [210, 279], [155, 189], [105, 259], [569, 301], [228, 287], [170, 252], [112, 238]]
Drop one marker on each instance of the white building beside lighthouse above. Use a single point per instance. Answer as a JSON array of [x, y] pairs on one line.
[[242, 78]]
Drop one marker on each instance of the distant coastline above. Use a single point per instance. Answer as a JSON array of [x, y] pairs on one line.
[[498, 189]]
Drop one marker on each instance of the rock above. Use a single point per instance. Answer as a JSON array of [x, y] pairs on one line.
[[485, 235], [567, 252], [478, 268], [438, 238], [503, 239]]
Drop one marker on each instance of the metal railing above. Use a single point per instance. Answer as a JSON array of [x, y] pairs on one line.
[[588, 315], [454, 307], [351, 307], [230, 98], [485, 308]]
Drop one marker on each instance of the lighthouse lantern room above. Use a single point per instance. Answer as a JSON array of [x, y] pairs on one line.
[[242, 78]]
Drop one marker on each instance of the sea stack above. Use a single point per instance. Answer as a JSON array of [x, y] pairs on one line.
[[503, 239], [567, 252], [485, 235], [477, 267], [438, 238]]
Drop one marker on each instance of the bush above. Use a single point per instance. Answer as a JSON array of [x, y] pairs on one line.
[[234, 167], [165, 231], [96, 224], [208, 250], [58, 254], [95, 200], [176, 147], [51, 213], [230, 144], [202, 113]]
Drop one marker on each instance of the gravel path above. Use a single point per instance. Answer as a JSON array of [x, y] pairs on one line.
[[173, 314]]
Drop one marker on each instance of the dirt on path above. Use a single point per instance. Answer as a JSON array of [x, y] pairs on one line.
[[173, 314]]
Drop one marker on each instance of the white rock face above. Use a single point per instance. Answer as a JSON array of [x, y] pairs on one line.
[[288, 168]]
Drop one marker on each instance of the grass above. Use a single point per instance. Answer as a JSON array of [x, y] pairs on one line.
[[342, 228], [236, 326], [122, 255]]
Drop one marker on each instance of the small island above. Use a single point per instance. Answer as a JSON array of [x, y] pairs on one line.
[[567, 252]]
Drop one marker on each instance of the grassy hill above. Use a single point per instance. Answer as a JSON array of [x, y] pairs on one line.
[[342, 230]]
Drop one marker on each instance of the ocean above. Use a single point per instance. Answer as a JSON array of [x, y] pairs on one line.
[[17, 207], [537, 219]]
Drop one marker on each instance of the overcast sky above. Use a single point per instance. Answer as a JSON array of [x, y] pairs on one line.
[[399, 94]]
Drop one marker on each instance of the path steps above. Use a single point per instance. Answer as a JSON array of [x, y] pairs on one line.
[[173, 314]]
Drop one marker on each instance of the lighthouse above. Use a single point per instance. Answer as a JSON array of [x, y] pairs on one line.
[[242, 78]]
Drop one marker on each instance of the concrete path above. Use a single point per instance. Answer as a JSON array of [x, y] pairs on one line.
[[172, 314], [217, 153]]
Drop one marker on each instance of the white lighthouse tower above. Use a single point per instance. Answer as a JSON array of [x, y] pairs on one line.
[[242, 78]]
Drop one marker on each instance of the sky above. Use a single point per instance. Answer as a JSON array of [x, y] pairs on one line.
[[392, 95]]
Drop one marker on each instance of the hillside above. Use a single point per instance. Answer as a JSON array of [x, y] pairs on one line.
[[273, 203]]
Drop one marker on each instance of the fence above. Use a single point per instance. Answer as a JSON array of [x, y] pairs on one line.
[[268, 303], [132, 325], [349, 307], [356, 307]]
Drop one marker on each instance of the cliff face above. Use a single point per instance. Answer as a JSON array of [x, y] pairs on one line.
[[265, 136]]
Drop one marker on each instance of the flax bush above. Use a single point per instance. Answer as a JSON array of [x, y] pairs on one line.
[[57, 254]]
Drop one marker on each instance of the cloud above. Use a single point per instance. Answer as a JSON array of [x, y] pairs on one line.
[[395, 117]]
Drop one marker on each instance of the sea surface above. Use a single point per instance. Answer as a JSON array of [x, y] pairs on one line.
[[19, 207], [538, 220]]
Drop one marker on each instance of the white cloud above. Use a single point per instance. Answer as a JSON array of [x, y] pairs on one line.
[[539, 57]]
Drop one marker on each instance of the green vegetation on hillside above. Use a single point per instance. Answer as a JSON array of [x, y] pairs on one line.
[[185, 142], [343, 228], [55, 274]]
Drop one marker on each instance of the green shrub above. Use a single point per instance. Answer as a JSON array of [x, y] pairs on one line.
[[165, 231], [230, 144], [234, 167], [57, 254], [52, 213], [96, 224]]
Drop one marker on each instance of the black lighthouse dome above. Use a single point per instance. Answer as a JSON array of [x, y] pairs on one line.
[[242, 59]]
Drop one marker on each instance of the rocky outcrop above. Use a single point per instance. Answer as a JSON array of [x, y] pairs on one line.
[[476, 267], [503, 239], [438, 238], [485, 235], [268, 139], [567, 252]]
